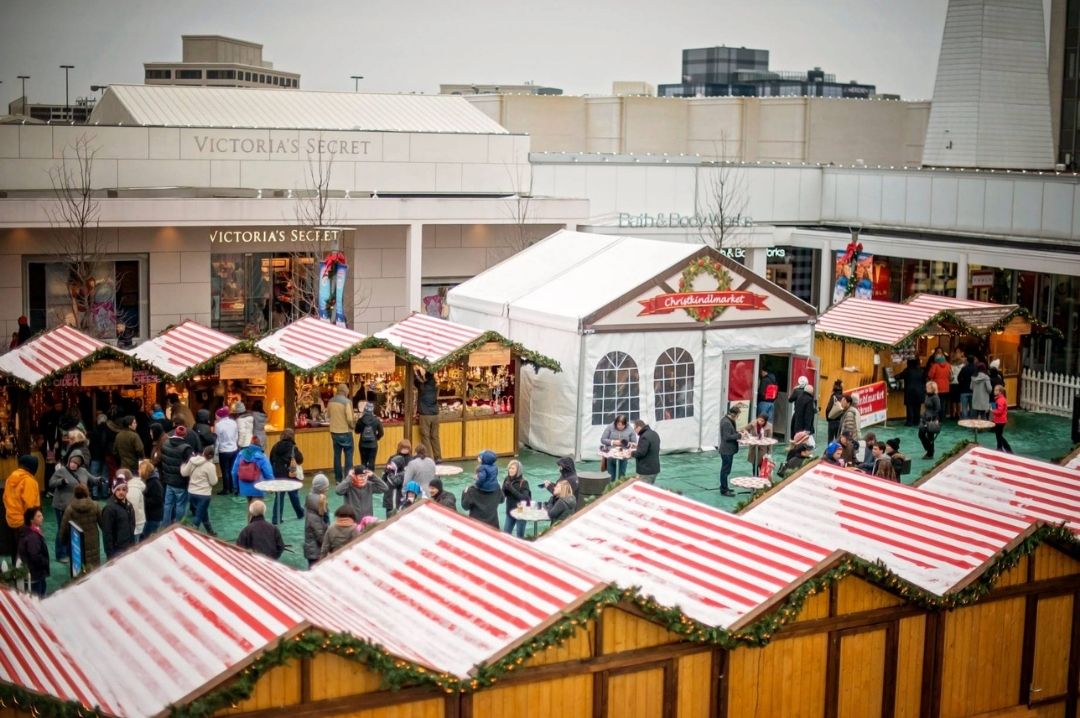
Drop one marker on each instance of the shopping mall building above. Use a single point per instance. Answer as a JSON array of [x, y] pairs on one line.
[[206, 199]]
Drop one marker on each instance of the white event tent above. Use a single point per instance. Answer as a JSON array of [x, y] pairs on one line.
[[667, 331]]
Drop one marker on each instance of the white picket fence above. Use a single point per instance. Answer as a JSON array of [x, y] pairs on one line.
[[1048, 392]]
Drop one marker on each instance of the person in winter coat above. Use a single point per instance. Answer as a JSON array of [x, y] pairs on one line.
[[963, 380], [646, 453], [482, 499], [394, 475], [317, 509], [759, 428], [76, 444], [250, 467], [728, 446], [102, 441], [914, 391], [21, 492], [136, 496], [617, 434], [798, 456], [411, 495], [203, 429], [940, 372], [33, 550], [117, 521], [258, 421], [766, 394], [370, 431], [341, 532], [282, 455], [421, 469], [202, 478], [567, 472], [84, 512], [981, 391], [358, 487], [63, 482], [179, 413], [153, 498], [1000, 416], [834, 410], [440, 495], [260, 535], [226, 433], [129, 447], [516, 489], [562, 503], [930, 423], [849, 420], [245, 424], [834, 454], [803, 407], [996, 377], [175, 452]]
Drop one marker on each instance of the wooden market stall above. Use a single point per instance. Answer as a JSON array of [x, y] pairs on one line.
[[862, 341], [477, 374], [64, 367]]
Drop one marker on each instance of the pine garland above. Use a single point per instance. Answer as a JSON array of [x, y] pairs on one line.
[[105, 352], [527, 356]]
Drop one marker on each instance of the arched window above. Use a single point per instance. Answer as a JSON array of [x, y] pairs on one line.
[[615, 389], [673, 384]]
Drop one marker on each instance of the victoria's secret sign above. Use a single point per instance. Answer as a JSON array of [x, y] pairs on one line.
[[274, 236], [290, 146]]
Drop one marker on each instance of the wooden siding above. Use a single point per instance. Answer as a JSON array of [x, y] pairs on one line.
[[569, 697], [909, 666], [1015, 576], [816, 606], [431, 708], [636, 695], [1051, 563], [836, 355], [854, 595], [624, 632], [277, 688], [785, 678], [1053, 635], [496, 433], [982, 657], [695, 689], [450, 440], [334, 677], [862, 674], [577, 647]]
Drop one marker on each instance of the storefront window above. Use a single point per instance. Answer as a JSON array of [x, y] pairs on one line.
[[793, 269], [615, 389], [109, 304], [433, 299], [673, 384], [255, 293], [896, 278]]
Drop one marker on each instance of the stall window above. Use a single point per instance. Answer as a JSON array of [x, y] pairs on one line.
[[110, 304], [615, 389], [673, 382]]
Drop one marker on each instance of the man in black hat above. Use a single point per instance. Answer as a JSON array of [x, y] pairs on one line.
[[729, 446]]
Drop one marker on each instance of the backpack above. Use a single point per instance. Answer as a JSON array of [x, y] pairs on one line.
[[249, 471], [771, 391], [366, 430]]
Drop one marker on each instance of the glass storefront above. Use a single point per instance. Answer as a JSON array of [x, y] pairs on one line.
[[895, 279], [794, 269], [255, 293]]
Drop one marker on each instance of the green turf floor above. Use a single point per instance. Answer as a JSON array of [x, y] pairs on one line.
[[693, 474]]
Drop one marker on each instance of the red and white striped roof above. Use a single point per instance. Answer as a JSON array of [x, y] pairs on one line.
[[935, 542], [429, 338], [309, 343], [1032, 489], [465, 593], [51, 352], [938, 302], [885, 323], [720, 569], [1072, 461], [186, 345]]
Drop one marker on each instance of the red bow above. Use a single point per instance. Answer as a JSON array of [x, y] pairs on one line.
[[333, 261]]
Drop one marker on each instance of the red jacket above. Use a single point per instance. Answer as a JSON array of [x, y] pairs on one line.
[[999, 414], [940, 373]]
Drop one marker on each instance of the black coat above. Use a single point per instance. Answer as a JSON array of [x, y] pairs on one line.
[[647, 453], [205, 434], [174, 454], [34, 552], [263, 537], [376, 428], [803, 412], [117, 526], [516, 489], [280, 456], [154, 499], [914, 379], [427, 395], [482, 505], [395, 480]]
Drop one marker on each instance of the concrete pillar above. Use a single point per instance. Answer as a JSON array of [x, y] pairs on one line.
[[962, 277], [414, 250], [825, 278], [756, 259]]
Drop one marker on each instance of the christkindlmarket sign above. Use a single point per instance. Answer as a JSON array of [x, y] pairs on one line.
[[668, 303]]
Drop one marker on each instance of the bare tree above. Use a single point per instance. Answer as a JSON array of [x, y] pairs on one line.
[[722, 202], [77, 240], [522, 233]]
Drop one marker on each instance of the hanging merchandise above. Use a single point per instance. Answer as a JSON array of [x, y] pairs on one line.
[[335, 269]]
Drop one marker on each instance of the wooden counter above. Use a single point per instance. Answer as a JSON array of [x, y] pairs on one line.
[[317, 447], [466, 438]]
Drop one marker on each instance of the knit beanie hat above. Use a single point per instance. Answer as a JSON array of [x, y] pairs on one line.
[[222, 412], [893, 444], [320, 484], [29, 462]]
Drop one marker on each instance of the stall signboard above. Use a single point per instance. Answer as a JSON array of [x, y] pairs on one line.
[[242, 366], [76, 549], [668, 303], [373, 361], [491, 354], [141, 377], [107, 372], [872, 401]]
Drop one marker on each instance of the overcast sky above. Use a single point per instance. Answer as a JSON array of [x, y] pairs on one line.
[[404, 46]]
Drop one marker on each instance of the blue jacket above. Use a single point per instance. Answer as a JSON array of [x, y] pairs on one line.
[[487, 473], [253, 453]]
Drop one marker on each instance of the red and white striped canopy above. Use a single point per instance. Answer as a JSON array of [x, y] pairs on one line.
[[884, 323], [938, 302], [720, 569], [51, 352], [186, 345], [936, 542], [429, 338], [1031, 489], [309, 343]]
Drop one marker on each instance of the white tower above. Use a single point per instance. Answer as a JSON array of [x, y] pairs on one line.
[[991, 103]]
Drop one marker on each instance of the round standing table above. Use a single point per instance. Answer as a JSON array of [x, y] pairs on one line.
[[976, 425], [750, 483], [448, 470], [278, 486], [531, 514]]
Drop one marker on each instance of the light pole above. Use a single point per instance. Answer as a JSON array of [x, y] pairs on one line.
[[67, 97], [24, 78], [356, 82]]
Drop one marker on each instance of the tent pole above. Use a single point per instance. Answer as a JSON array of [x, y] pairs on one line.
[[580, 392]]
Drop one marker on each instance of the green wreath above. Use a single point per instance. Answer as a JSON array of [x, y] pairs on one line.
[[714, 269]]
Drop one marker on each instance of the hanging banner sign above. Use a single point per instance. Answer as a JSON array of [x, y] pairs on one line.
[[373, 361], [107, 372], [872, 401], [242, 366], [491, 354], [140, 377], [668, 303]]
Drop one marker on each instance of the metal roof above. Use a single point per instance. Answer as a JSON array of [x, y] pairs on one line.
[[308, 343], [720, 569], [48, 353], [258, 108], [936, 542], [885, 323], [1032, 489], [429, 338], [184, 346]]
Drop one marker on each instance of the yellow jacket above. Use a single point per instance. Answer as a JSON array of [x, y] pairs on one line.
[[20, 493]]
